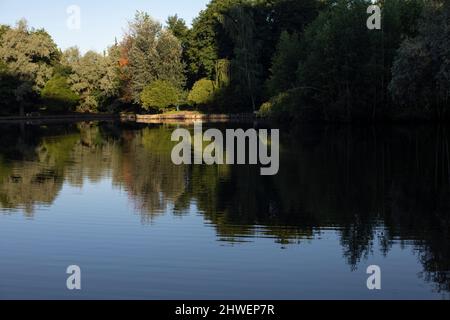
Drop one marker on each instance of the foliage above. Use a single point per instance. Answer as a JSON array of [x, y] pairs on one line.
[[179, 29], [208, 40], [57, 95], [160, 95], [335, 66], [425, 88], [3, 30], [170, 67], [153, 53], [271, 18], [239, 23], [202, 92], [8, 85], [345, 68], [28, 55], [94, 77], [284, 64], [223, 73], [311, 59], [288, 106], [265, 110]]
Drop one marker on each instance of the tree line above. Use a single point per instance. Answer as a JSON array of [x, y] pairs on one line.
[[292, 60]]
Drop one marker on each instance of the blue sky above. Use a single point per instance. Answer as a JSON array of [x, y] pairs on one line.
[[101, 20]]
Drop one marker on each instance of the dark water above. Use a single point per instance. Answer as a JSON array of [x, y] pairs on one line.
[[107, 197]]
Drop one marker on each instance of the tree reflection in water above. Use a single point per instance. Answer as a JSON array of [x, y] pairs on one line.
[[371, 184]]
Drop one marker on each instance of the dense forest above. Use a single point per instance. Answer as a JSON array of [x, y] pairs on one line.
[[292, 60]]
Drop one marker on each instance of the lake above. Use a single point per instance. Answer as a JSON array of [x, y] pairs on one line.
[[106, 197]]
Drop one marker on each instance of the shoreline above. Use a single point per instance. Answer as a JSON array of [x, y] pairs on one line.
[[188, 117], [138, 118], [58, 118]]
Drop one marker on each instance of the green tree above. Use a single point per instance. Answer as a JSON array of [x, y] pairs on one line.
[[3, 30], [155, 53], [345, 67], [202, 92], [335, 64], [284, 64], [208, 40], [170, 66], [421, 71], [399, 22], [8, 85], [57, 95], [223, 73], [143, 33], [160, 95], [273, 17], [28, 55], [244, 32], [239, 23], [178, 28], [94, 77]]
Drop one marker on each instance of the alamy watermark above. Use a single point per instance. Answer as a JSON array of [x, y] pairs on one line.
[[74, 280], [374, 280], [229, 150], [73, 21], [374, 21]]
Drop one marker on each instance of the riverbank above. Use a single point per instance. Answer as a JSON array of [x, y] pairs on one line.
[[60, 118], [182, 116], [193, 116]]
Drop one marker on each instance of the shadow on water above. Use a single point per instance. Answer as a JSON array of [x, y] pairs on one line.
[[371, 184]]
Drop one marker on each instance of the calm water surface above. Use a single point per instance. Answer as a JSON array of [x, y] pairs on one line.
[[106, 197]]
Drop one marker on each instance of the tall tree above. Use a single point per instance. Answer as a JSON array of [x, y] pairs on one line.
[[155, 53], [208, 40], [169, 65], [246, 70], [94, 77], [178, 28], [345, 67], [143, 34], [284, 64], [421, 71], [28, 55], [275, 16]]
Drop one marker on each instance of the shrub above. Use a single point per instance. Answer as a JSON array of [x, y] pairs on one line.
[[57, 95], [160, 95], [265, 110], [202, 92], [292, 105]]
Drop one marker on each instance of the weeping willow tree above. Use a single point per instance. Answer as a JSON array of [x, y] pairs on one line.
[[240, 25], [223, 75]]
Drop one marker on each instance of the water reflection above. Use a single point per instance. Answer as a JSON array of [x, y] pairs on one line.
[[373, 185]]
